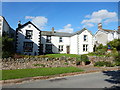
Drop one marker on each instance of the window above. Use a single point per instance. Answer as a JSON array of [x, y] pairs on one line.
[[60, 39], [85, 37], [29, 34], [48, 39], [85, 47], [28, 46], [60, 48], [48, 48]]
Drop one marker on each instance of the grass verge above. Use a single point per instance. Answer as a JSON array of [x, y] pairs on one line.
[[22, 73], [61, 55]]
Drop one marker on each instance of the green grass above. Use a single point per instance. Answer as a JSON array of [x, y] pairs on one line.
[[61, 55], [22, 73]]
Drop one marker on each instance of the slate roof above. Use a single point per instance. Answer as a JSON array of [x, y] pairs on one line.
[[112, 31], [27, 24], [62, 34]]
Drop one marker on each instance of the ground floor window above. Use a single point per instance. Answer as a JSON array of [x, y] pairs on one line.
[[60, 48], [85, 47], [28, 46], [48, 48]]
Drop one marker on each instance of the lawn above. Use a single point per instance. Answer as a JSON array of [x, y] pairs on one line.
[[61, 55], [22, 73]]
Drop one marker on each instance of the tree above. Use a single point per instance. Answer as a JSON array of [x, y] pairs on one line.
[[7, 46], [115, 44]]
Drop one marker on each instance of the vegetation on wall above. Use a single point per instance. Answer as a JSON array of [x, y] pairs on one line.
[[7, 46]]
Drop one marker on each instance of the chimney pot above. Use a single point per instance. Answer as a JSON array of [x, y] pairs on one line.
[[19, 23], [119, 28], [52, 29]]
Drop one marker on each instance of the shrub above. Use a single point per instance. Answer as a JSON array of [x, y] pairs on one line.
[[104, 63], [78, 61], [65, 63], [117, 59], [84, 58], [39, 65], [114, 52]]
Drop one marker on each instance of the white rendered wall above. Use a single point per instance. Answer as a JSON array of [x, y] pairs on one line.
[[101, 37], [73, 45], [55, 43], [21, 39], [89, 42]]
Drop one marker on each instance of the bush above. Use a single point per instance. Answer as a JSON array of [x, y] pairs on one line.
[[78, 61], [84, 58], [104, 63], [117, 59], [114, 52], [39, 65], [65, 63]]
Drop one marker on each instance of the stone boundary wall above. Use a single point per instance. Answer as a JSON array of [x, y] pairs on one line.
[[23, 63], [94, 59]]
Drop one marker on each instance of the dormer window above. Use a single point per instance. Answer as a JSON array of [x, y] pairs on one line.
[[60, 39], [85, 37], [29, 34], [48, 40]]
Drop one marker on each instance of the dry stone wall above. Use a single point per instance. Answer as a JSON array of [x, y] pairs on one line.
[[23, 63]]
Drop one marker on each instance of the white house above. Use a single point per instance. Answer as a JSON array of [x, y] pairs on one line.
[[103, 36], [81, 42], [28, 39], [32, 41], [5, 27]]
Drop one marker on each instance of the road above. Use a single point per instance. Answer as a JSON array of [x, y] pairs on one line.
[[90, 80]]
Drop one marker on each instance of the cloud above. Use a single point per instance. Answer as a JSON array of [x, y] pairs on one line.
[[99, 16], [88, 25], [66, 28], [39, 21]]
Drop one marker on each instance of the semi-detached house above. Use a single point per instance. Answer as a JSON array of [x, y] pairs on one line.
[[30, 40]]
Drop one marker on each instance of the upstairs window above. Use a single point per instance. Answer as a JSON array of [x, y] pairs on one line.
[[28, 46], [60, 39], [85, 38], [60, 48], [48, 40], [29, 34], [85, 47]]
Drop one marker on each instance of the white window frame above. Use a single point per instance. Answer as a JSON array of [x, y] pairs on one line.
[[60, 48], [85, 39], [60, 39], [85, 47]]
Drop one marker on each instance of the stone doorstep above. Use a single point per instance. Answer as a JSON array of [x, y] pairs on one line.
[[12, 81]]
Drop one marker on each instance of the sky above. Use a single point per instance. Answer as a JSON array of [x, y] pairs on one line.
[[63, 16]]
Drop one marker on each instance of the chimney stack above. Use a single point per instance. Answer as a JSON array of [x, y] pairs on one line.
[[99, 26], [19, 23], [118, 28], [52, 29]]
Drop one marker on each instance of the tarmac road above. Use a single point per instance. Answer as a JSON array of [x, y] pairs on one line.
[[89, 80]]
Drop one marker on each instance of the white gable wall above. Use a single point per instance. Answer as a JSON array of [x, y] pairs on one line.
[[89, 42], [73, 45], [21, 39], [77, 41], [101, 37]]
